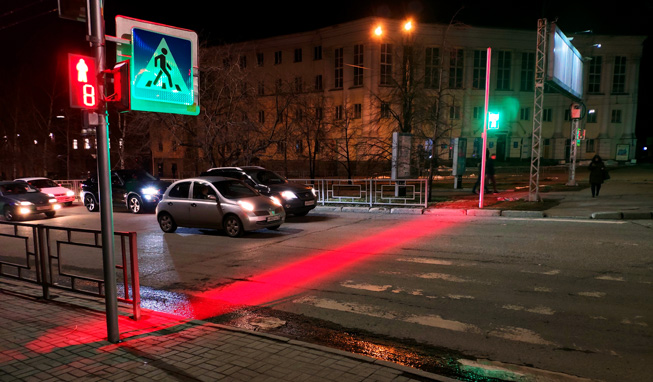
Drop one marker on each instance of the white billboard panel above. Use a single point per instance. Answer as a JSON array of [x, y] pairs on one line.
[[565, 64]]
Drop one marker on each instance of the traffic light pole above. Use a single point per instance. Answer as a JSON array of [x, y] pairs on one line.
[[97, 40]]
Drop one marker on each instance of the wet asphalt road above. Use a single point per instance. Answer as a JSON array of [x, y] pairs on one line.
[[567, 296]]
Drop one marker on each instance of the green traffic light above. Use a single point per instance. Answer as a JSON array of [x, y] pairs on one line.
[[493, 118]]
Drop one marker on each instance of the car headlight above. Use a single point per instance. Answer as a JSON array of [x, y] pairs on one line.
[[149, 191], [52, 200], [24, 211], [246, 205], [276, 201], [57, 206], [25, 203], [70, 193], [314, 191], [288, 195], [51, 195]]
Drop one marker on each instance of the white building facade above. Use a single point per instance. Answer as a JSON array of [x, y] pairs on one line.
[[350, 63]]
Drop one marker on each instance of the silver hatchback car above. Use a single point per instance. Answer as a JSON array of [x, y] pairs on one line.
[[220, 203]]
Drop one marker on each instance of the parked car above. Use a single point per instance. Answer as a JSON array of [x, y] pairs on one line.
[[297, 199], [19, 199], [219, 203], [48, 186], [137, 190]]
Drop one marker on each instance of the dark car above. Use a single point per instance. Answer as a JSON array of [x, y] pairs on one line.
[[297, 199], [19, 199], [137, 190]]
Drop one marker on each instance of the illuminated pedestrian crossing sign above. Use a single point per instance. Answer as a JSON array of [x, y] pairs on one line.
[[162, 72]]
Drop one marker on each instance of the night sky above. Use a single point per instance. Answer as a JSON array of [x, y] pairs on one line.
[[31, 35]]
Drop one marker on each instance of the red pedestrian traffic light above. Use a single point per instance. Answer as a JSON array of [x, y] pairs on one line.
[[83, 82]]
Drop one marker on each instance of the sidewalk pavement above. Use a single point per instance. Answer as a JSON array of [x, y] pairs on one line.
[[64, 339]]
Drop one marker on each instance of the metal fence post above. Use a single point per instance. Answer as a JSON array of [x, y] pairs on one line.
[[136, 289], [42, 259]]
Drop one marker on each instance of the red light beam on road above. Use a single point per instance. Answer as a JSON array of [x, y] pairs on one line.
[[290, 279]]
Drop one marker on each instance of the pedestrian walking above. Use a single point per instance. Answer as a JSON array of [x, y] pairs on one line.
[[597, 174], [489, 174]]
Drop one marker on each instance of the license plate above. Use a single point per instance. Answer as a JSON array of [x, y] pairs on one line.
[[43, 208], [274, 218], [309, 202]]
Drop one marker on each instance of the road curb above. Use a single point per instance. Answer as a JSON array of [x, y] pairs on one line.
[[445, 212], [606, 215], [483, 212], [522, 214]]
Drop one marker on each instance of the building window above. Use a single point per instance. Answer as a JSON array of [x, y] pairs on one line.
[[386, 64], [567, 115], [385, 110], [75, 147], [299, 86], [299, 147], [358, 65], [358, 111], [591, 116], [338, 112], [454, 112], [527, 72], [259, 59], [298, 55], [432, 68], [479, 112], [619, 78], [261, 116], [242, 62], [594, 79], [261, 88], [616, 116], [589, 146], [87, 143], [503, 70], [525, 114], [318, 82], [175, 144], [456, 68], [160, 146], [317, 52], [318, 113], [480, 69], [339, 68], [278, 58], [547, 115]]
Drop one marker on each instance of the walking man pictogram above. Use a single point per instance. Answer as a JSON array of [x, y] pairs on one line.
[[160, 61]]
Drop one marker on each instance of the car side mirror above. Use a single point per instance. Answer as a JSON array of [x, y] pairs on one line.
[[262, 188]]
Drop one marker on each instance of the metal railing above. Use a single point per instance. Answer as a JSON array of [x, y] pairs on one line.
[[70, 259], [370, 192]]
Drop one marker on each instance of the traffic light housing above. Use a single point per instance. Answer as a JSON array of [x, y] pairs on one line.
[[121, 96], [493, 121], [83, 82]]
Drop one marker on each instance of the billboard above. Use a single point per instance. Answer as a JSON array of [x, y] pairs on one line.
[[565, 64]]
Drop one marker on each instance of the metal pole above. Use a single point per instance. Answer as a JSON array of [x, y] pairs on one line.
[[96, 27], [487, 101], [573, 152]]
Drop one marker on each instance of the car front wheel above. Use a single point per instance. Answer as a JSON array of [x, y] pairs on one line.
[[135, 205], [90, 203], [167, 223], [9, 214], [50, 214], [233, 227]]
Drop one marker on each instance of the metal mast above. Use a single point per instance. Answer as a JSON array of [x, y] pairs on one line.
[[536, 146]]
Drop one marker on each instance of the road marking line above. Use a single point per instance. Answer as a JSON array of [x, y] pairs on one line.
[[519, 334], [592, 294]]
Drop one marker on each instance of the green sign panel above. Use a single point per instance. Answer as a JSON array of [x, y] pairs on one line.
[[162, 73]]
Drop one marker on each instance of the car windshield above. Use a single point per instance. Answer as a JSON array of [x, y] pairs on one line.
[[266, 177], [138, 175], [235, 189], [42, 183], [16, 188]]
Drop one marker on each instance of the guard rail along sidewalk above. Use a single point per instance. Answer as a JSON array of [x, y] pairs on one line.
[[371, 192], [70, 259]]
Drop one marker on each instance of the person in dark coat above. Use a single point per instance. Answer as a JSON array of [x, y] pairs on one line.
[[489, 174], [597, 171]]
